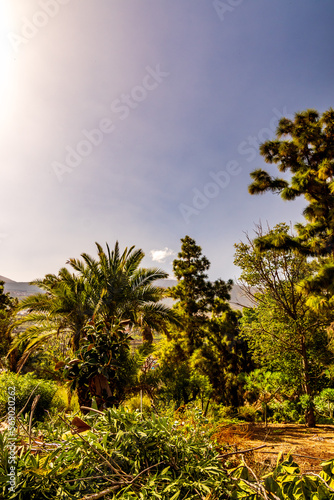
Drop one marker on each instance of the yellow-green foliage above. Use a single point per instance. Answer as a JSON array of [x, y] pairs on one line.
[[247, 413], [133, 403], [24, 389], [70, 400]]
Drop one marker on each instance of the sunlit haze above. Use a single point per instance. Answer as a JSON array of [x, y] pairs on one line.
[[140, 122]]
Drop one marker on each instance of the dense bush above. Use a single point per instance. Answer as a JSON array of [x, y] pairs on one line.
[[248, 413], [324, 403], [24, 386], [286, 411], [124, 455], [285, 482]]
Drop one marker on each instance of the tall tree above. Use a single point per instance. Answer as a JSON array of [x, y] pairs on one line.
[[207, 343], [283, 333], [197, 296], [304, 148], [223, 356]]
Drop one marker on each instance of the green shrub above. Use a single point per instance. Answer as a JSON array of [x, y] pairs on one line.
[[133, 403], [135, 456], [283, 412], [324, 403], [24, 386], [248, 413], [67, 399], [285, 482], [221, 412]]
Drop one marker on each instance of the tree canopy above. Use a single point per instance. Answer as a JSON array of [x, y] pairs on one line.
[[303, 148], [207, 342], [112, 288], [197, 296], [282, 332]]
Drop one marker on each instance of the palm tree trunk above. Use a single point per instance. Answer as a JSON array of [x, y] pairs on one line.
[[13, 359], [147, 334], [84, 396]]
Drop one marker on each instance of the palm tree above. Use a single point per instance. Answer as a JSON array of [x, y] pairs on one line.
[[122, 290], [112, 287], [65, 306]]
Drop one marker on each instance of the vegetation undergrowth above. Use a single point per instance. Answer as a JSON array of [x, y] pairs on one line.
[[121, 454], [215, 371], [29, 385]]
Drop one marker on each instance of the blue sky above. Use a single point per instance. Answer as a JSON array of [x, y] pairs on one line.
[[139, 121]]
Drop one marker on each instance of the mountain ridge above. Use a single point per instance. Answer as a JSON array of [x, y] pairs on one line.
[[23, 289], [6, 280]]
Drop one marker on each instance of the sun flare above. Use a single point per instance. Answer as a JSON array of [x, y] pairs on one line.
[[7, 55]]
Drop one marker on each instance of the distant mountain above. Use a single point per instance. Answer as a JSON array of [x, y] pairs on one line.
[[6, 280], [23, 289], [238, 299], [19, 290]]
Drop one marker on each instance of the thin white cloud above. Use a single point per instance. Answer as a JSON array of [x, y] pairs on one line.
[[161, 255]]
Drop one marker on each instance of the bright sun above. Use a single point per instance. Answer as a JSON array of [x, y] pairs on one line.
[[7, 54]]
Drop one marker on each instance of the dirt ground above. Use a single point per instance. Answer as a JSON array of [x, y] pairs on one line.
[[309, 447]]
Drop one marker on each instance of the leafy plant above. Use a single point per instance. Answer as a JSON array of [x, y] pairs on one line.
[[123, 456], [104, 367], [24, 386], [285, 482], [248, 413], [324, 402], [285, 411]]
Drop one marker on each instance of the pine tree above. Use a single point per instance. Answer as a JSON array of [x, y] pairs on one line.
[[304, 148], [207, 345], [197, 296]]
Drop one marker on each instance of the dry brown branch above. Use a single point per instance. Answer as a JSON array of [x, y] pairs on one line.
[[22, 410], [91, 409], [319, 477], [262, 488], [33, 406], [246, 451], [105, 492]]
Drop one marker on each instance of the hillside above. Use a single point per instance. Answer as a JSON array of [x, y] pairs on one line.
[[237, 301], [24, 289], [6, 280], [18, 289]]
